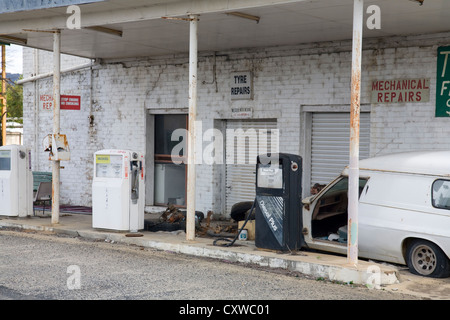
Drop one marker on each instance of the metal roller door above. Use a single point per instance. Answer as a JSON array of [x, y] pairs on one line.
[[330, 143], [240, 178]]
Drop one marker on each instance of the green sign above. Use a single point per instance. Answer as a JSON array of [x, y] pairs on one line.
[[4, 44], [443, 82]]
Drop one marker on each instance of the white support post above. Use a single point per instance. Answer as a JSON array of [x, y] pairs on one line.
[[56, 122], [353, 176], [193, 56]]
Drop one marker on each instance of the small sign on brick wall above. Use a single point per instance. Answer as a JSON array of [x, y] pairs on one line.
[[70, 102], [241, 113]]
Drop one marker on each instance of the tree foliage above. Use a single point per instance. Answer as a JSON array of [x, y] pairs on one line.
[[14, 101]]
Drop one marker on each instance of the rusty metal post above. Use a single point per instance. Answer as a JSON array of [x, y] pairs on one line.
[[353, 175], [193, 56], [3, 112], [56, 165]]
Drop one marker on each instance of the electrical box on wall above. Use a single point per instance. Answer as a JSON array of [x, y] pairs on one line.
[[58, 146]]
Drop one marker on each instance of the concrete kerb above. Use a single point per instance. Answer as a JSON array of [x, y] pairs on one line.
[[365, 274]]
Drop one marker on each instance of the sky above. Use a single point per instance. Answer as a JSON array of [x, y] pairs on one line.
[[13, 59]]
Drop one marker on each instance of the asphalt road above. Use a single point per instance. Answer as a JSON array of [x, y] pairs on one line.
[[47, 267]]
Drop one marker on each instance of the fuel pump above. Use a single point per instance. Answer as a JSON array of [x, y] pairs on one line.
[[118, 190], [278, 224], [16, 181]]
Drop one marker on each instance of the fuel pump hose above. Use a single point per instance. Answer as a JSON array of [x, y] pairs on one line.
[[229, 242]]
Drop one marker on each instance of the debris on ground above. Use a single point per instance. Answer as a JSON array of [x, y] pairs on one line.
[[219, 229], [175, 219], [171, 215]]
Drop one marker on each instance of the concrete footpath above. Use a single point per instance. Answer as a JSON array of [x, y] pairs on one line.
[[313, 264]]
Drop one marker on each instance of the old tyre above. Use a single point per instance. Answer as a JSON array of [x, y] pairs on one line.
[[239, 210], [427, 259]]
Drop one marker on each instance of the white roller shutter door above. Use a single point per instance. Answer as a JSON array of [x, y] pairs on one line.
[[239, 177], [330, 143]]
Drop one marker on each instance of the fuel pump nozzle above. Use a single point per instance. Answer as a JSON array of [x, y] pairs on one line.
[[136, 167]]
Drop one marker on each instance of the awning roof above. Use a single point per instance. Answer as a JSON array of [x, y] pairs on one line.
[[282, 22]]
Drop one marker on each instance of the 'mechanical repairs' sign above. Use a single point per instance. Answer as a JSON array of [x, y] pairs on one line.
[[401, 91], [443, 83]]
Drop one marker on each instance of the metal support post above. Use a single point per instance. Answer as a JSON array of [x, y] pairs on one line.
[[193, 47], [353, 176], [3, 113], [56, 122]]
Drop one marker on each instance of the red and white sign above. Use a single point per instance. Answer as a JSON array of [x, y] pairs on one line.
[[70, 102], [67, 102]]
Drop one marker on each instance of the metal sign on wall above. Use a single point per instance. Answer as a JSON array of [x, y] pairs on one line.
[[241, 113], [241, 85], [443, 83], [401, 91]]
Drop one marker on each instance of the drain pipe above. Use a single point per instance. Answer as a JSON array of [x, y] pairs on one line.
[[353, 175], [36, 108], [50, 74]]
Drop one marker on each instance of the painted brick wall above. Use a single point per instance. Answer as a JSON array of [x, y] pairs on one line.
[[118, 95]]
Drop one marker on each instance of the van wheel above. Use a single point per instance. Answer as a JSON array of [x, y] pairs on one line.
[[427, 259]]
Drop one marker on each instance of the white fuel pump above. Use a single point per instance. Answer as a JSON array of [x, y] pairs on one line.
[[16, 181], [118, 190]]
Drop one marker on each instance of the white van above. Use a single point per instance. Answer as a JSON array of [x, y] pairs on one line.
[[404, 212]]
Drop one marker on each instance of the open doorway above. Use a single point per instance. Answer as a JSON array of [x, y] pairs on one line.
[[169, 177]]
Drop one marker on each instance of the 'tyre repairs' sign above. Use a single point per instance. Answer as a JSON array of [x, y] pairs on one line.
[[241, 85]]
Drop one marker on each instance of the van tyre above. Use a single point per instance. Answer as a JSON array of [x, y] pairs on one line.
[[427, 259]]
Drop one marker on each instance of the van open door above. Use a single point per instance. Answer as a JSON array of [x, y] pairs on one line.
[[325, 216]]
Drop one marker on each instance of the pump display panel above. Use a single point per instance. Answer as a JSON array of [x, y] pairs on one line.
[[5, 160], [108, 166], [270, 176]]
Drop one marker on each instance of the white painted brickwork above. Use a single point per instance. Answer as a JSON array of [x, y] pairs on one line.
[[118, 94]]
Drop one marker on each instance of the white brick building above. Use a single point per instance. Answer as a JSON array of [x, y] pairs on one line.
[[292, 85], [298, 57]]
